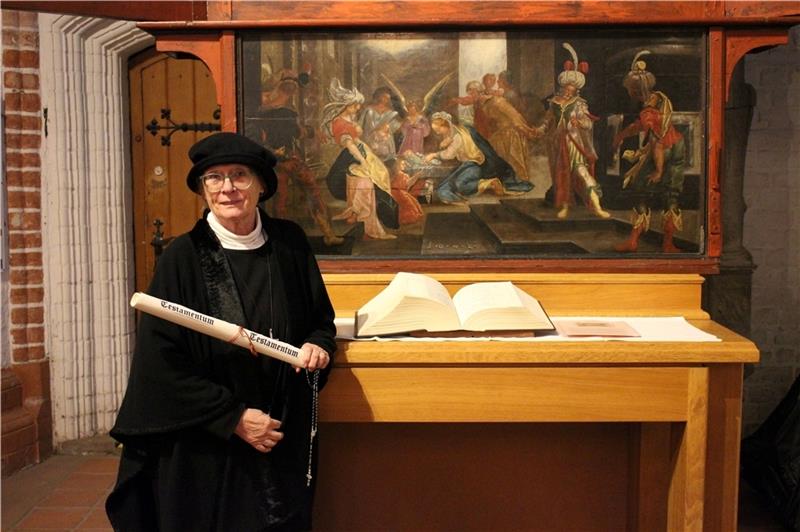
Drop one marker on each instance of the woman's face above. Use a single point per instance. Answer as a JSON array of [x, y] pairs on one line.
[[352, 109], [440, 128], [231, 206]]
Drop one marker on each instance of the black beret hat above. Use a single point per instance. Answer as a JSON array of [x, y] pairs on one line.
[[232, 148]]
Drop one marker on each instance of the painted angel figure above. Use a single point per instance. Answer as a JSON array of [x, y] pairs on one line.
[[416, 125]]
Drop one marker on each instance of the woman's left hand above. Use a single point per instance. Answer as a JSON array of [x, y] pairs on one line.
[[313, 357]]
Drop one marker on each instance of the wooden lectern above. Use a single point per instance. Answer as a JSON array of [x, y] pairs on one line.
[[487, 435]]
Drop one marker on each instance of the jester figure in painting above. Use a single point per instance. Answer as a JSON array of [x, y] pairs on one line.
[[656, 176]]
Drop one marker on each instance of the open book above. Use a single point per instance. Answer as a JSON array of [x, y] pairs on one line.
[[415, 302]]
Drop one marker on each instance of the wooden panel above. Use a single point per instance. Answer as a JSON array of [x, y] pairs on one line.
[[651, 460], [508, 12], [724, 435], [560, 294], [439, 395], [544, 477], [759, 9], [716, 130], [687, 489]]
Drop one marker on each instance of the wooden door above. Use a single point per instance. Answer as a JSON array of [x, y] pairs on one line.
[[165, 94]]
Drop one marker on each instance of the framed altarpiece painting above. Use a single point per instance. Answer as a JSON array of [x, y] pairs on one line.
[[511, 136], [484, 144]]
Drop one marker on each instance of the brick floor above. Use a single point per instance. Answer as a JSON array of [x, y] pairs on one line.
[[66, 492]]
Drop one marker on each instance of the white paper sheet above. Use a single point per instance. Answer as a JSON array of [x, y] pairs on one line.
[[661, 329]]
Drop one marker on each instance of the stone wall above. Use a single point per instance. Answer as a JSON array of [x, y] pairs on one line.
[[772, 225]]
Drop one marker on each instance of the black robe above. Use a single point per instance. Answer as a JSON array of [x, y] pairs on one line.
[[187, 391]]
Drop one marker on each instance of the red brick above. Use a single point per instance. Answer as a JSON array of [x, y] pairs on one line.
[[36, 352], [22, 141], [17, 439], [24, 199], [28, 353], [19, 276], [25, 258], [10, 58], [35, 381], [10, 19], [29, 315], [20, 80], [23, 123], [17, 240], [13, 101], [19, 354], [20, 296], [20, 39], [13, 462], [27, 335], [29, 19], [15, 159], [31, 160], [21, 58], [24, 220], [22, 101], [24, 178], [31, 102], [12, 80]]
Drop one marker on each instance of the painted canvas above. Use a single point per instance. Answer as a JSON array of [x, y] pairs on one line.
[[574, 143]]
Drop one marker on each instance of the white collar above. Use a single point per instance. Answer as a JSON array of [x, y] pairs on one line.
[[229, 240]]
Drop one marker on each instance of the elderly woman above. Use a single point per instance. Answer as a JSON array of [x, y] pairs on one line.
[[568, 125], [480, 169], [214, 437], [357, 175]]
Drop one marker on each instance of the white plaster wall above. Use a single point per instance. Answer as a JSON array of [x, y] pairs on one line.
[[772, 225], [87, 217]]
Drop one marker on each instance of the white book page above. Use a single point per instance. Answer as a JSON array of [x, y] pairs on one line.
[[534, 307], [477, 297], [410, 302]]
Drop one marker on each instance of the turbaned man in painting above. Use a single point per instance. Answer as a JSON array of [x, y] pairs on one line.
[[656, 176], [568, 127]]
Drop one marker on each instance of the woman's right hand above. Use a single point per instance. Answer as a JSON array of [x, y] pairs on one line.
[[259, 430]]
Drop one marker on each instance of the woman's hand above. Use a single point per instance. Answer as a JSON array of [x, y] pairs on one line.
[[259, 430], [313, 357]]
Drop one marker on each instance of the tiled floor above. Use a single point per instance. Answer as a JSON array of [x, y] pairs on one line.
[[67, 492]]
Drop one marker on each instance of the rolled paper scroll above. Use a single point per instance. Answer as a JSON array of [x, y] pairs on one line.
[[217, 328]]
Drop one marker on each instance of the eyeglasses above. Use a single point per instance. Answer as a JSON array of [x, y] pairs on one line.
[[240, 179]]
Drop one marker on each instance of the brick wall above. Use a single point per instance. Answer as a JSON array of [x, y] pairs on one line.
[[772, 225], [22, 141]]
